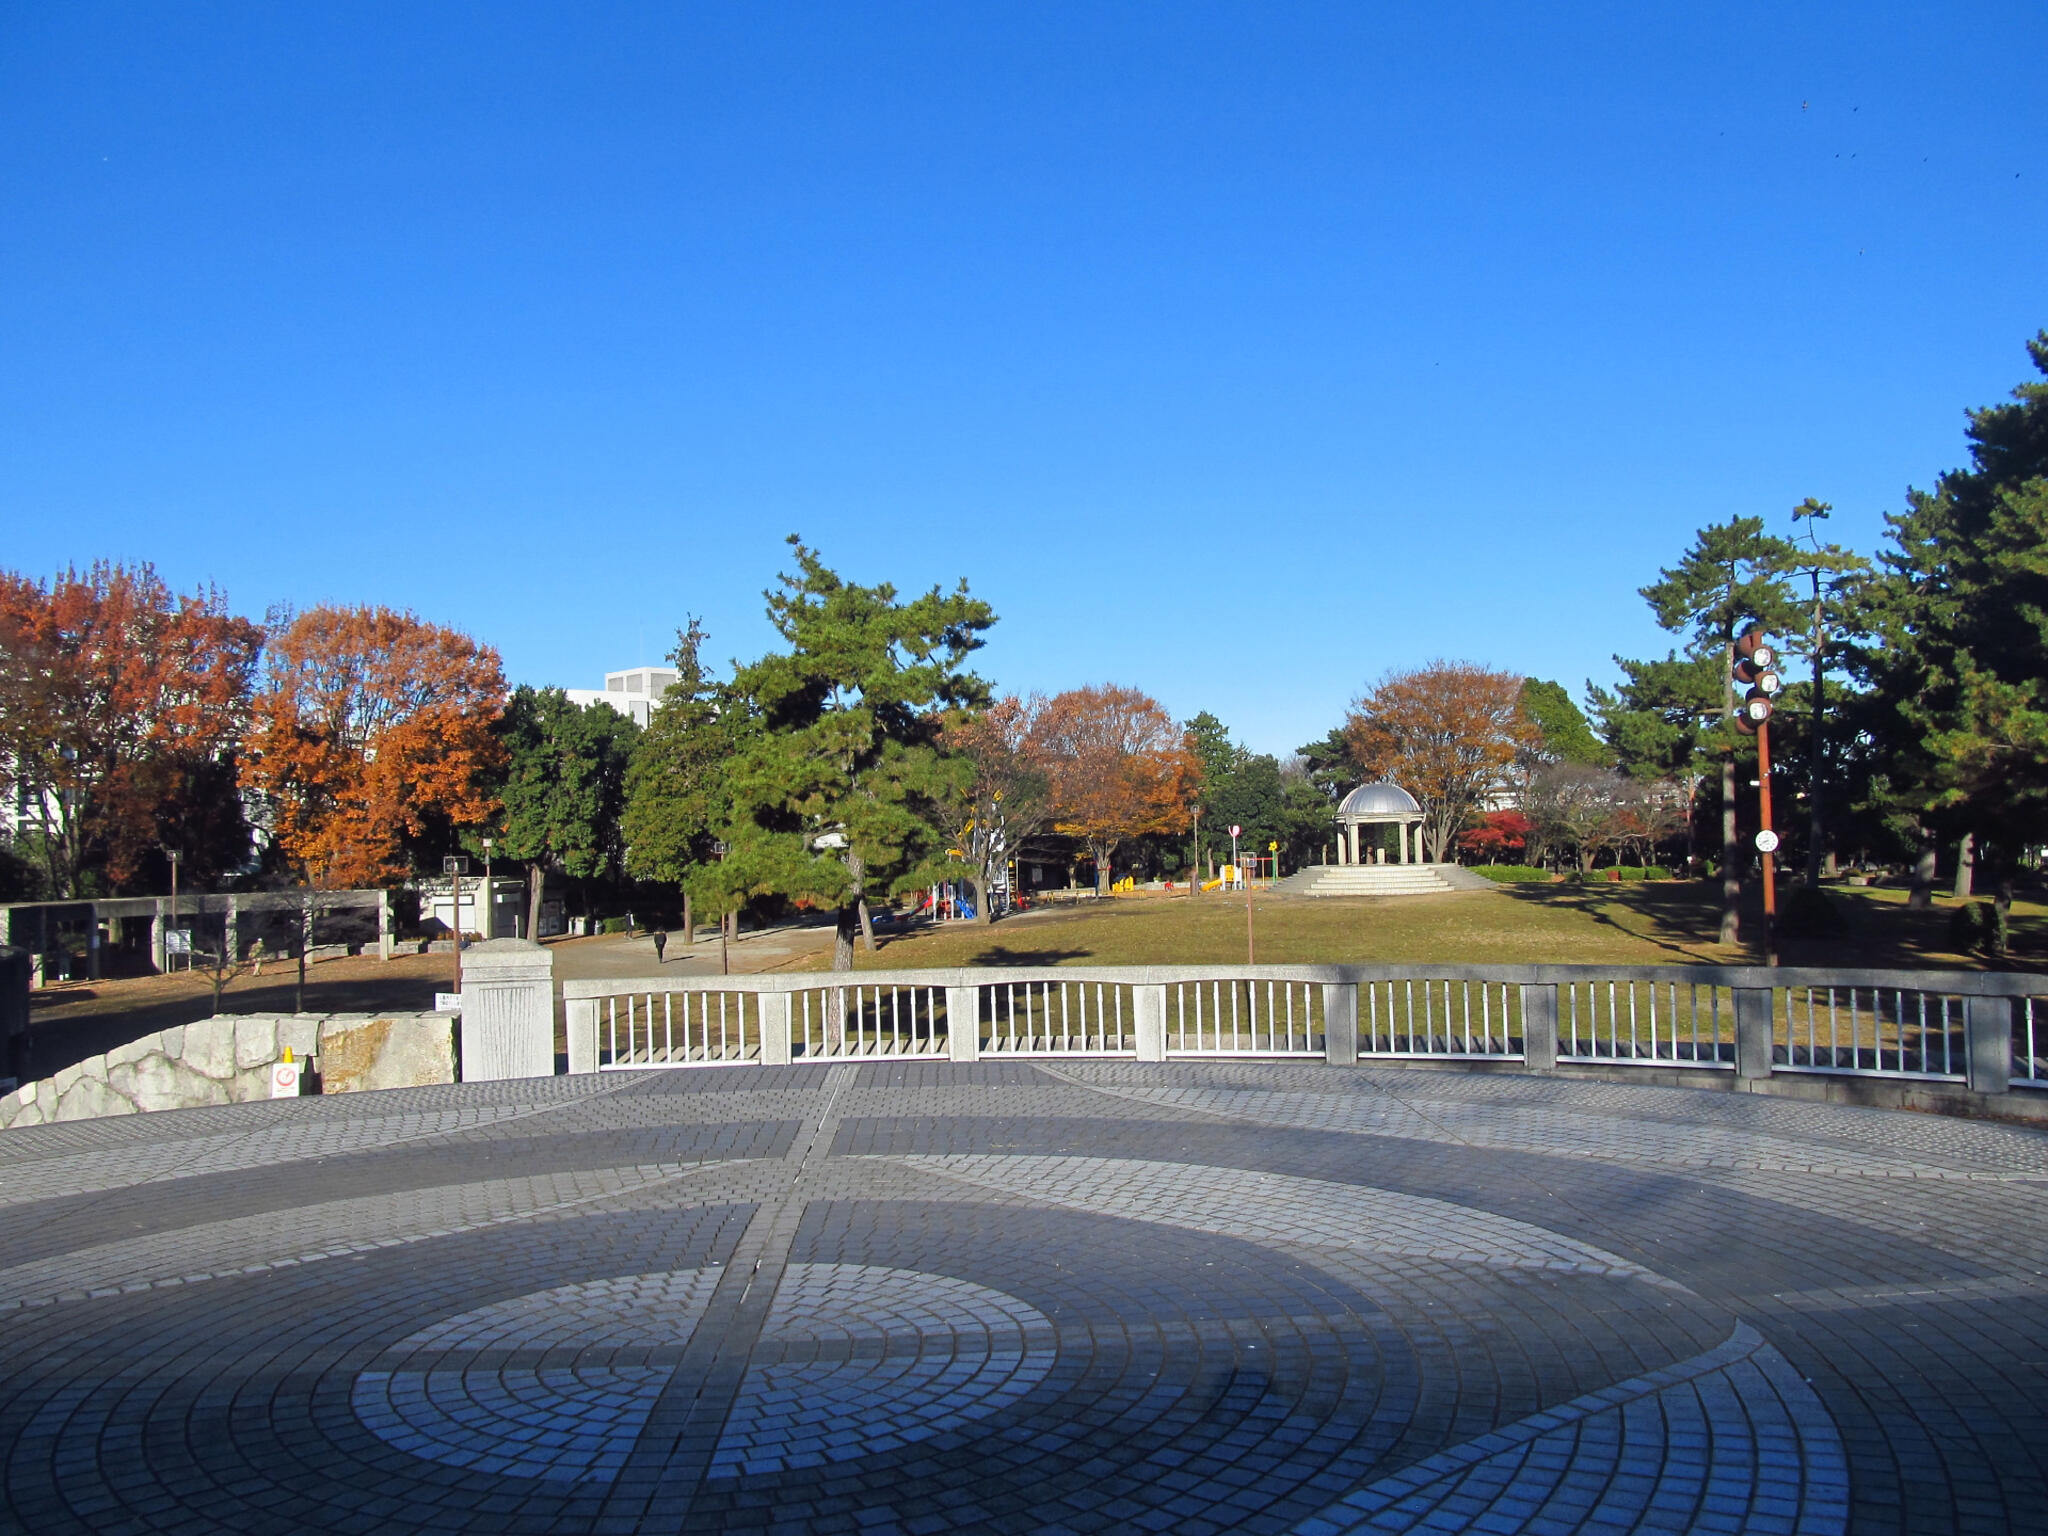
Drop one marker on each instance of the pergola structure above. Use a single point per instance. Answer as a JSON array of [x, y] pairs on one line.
[[1377, 805]]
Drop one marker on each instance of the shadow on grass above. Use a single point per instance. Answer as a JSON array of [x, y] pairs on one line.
[[1001, 954], [1680, 916]]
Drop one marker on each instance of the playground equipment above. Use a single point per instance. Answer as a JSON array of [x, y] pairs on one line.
[[1229, 877]]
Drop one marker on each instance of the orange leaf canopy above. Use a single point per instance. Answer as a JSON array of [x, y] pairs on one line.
[[372, 727]]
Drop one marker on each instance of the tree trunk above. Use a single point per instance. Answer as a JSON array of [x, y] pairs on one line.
[[1102, 852], [724, 952], [1731, 855], [842, 939], [1922, 896], [689, 920], [979, 887], [1966, 865], [867, 925], [536, 885]]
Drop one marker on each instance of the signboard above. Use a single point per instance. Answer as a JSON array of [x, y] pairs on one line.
[[447, 1002], [177, 941], [1767, 842], [454, 864], [284, 1080], [1235, 830]]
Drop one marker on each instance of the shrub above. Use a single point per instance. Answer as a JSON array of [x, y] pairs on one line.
[[611, 925], [1511, 874], [1978, 928]]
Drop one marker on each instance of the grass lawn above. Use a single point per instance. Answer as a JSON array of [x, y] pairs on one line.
[[1648, 923]]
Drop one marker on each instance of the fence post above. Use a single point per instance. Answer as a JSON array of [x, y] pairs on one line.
[[1539, 1027], [775, 1010], [1987, 1042], [1340, 1023], [1148, 1012], [963, 1023], [508, 1011], [582, 1028], [1753, 1030]]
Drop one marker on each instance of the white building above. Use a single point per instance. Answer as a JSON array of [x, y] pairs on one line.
[[633, 693]]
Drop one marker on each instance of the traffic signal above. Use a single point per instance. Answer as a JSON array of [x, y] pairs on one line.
[[1756, 666]]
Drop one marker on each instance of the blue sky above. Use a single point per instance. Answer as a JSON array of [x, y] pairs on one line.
[[1236, 352]]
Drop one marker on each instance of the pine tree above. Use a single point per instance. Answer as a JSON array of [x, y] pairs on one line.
[[839, 793]]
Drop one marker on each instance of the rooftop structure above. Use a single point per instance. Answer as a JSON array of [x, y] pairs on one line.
[[633, 692]]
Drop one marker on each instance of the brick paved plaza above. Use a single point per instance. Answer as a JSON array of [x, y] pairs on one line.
[[1090, 1297]]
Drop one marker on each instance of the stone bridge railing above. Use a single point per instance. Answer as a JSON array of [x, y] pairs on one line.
[[1983, 1032]]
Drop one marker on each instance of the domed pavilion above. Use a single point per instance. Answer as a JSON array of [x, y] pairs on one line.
[[1377, 806]]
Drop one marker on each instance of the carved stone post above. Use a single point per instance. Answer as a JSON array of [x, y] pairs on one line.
[[508, 1010]]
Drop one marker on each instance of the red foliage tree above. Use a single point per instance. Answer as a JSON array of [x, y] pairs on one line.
[[372, 734], [1498, 832], [120, 707]]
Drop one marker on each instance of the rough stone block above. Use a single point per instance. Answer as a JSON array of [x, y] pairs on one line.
[[300, 1033], [28, 1114], [172, 1041], [91, 1099], [210, 1047], [95, 1068], [255, 1043], [135, 1050], [405, 1050], [158, 1082], [61, 1083]]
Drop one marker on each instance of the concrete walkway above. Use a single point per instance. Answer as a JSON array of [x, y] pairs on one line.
[[1091, 1297]]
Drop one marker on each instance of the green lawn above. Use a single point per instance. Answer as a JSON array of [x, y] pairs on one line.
[[1665, 922]]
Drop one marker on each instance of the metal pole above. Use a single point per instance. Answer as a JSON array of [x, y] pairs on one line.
[[1763, 803], [1816, 825], [1195, 867], [456, 876], [174, 914], [1250, 952]]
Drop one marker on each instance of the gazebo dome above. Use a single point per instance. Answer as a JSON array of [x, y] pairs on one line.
[[1381, 799]]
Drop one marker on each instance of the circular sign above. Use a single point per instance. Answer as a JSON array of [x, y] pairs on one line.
[[1235, 830], [1767, 841]]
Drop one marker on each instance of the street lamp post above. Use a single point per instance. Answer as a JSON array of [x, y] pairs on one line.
[[490, 913]]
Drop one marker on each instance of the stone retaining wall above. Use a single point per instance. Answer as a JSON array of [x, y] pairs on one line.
[[227, 1059]]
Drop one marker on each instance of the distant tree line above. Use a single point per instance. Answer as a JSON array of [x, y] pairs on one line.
[[863, 758]]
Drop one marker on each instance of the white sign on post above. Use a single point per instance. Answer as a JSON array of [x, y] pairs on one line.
[[447, 1002], [1767, 841], [1235, 830], [284, 1080]]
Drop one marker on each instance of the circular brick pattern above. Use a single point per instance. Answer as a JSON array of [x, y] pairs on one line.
[[1021, 1298]]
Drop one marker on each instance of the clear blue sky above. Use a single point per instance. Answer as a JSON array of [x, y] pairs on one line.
[[1236, 352]]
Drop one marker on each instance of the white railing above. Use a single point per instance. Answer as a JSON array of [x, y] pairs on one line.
[[1873, 1032], [1630, 1022], [839, 1023], [1989, 1031], [681, 1029], [1458, 1020], [1055, 1017], [1254, 1016]]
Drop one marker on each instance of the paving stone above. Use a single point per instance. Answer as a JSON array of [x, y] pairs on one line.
[[1018, 1297]]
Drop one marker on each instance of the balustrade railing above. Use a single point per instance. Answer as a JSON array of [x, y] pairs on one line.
[[1989, 1030]]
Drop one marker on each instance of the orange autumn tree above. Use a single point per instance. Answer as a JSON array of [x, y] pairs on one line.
[[120, 706], [1116, 766], [371, 739], [1448, 733]]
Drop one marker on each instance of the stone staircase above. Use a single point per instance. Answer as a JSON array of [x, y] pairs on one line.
[[1381, 880]]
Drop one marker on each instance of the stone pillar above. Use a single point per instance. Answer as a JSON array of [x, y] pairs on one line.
[[384, 933], [157, 924], [231, 932], [1987, 1043], [508, 1011], [1753, 1029], [963, 1023], [582, 1014], [1148, 1005], [1539, 1027], [1340, 1023], [774, 1029]]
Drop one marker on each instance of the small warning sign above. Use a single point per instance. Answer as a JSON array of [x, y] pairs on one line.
[[284, 1080]]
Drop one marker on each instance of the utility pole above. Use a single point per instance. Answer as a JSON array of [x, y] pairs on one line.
[[1758, 668], [1767, 840], [1195, 857], [174, 908]]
